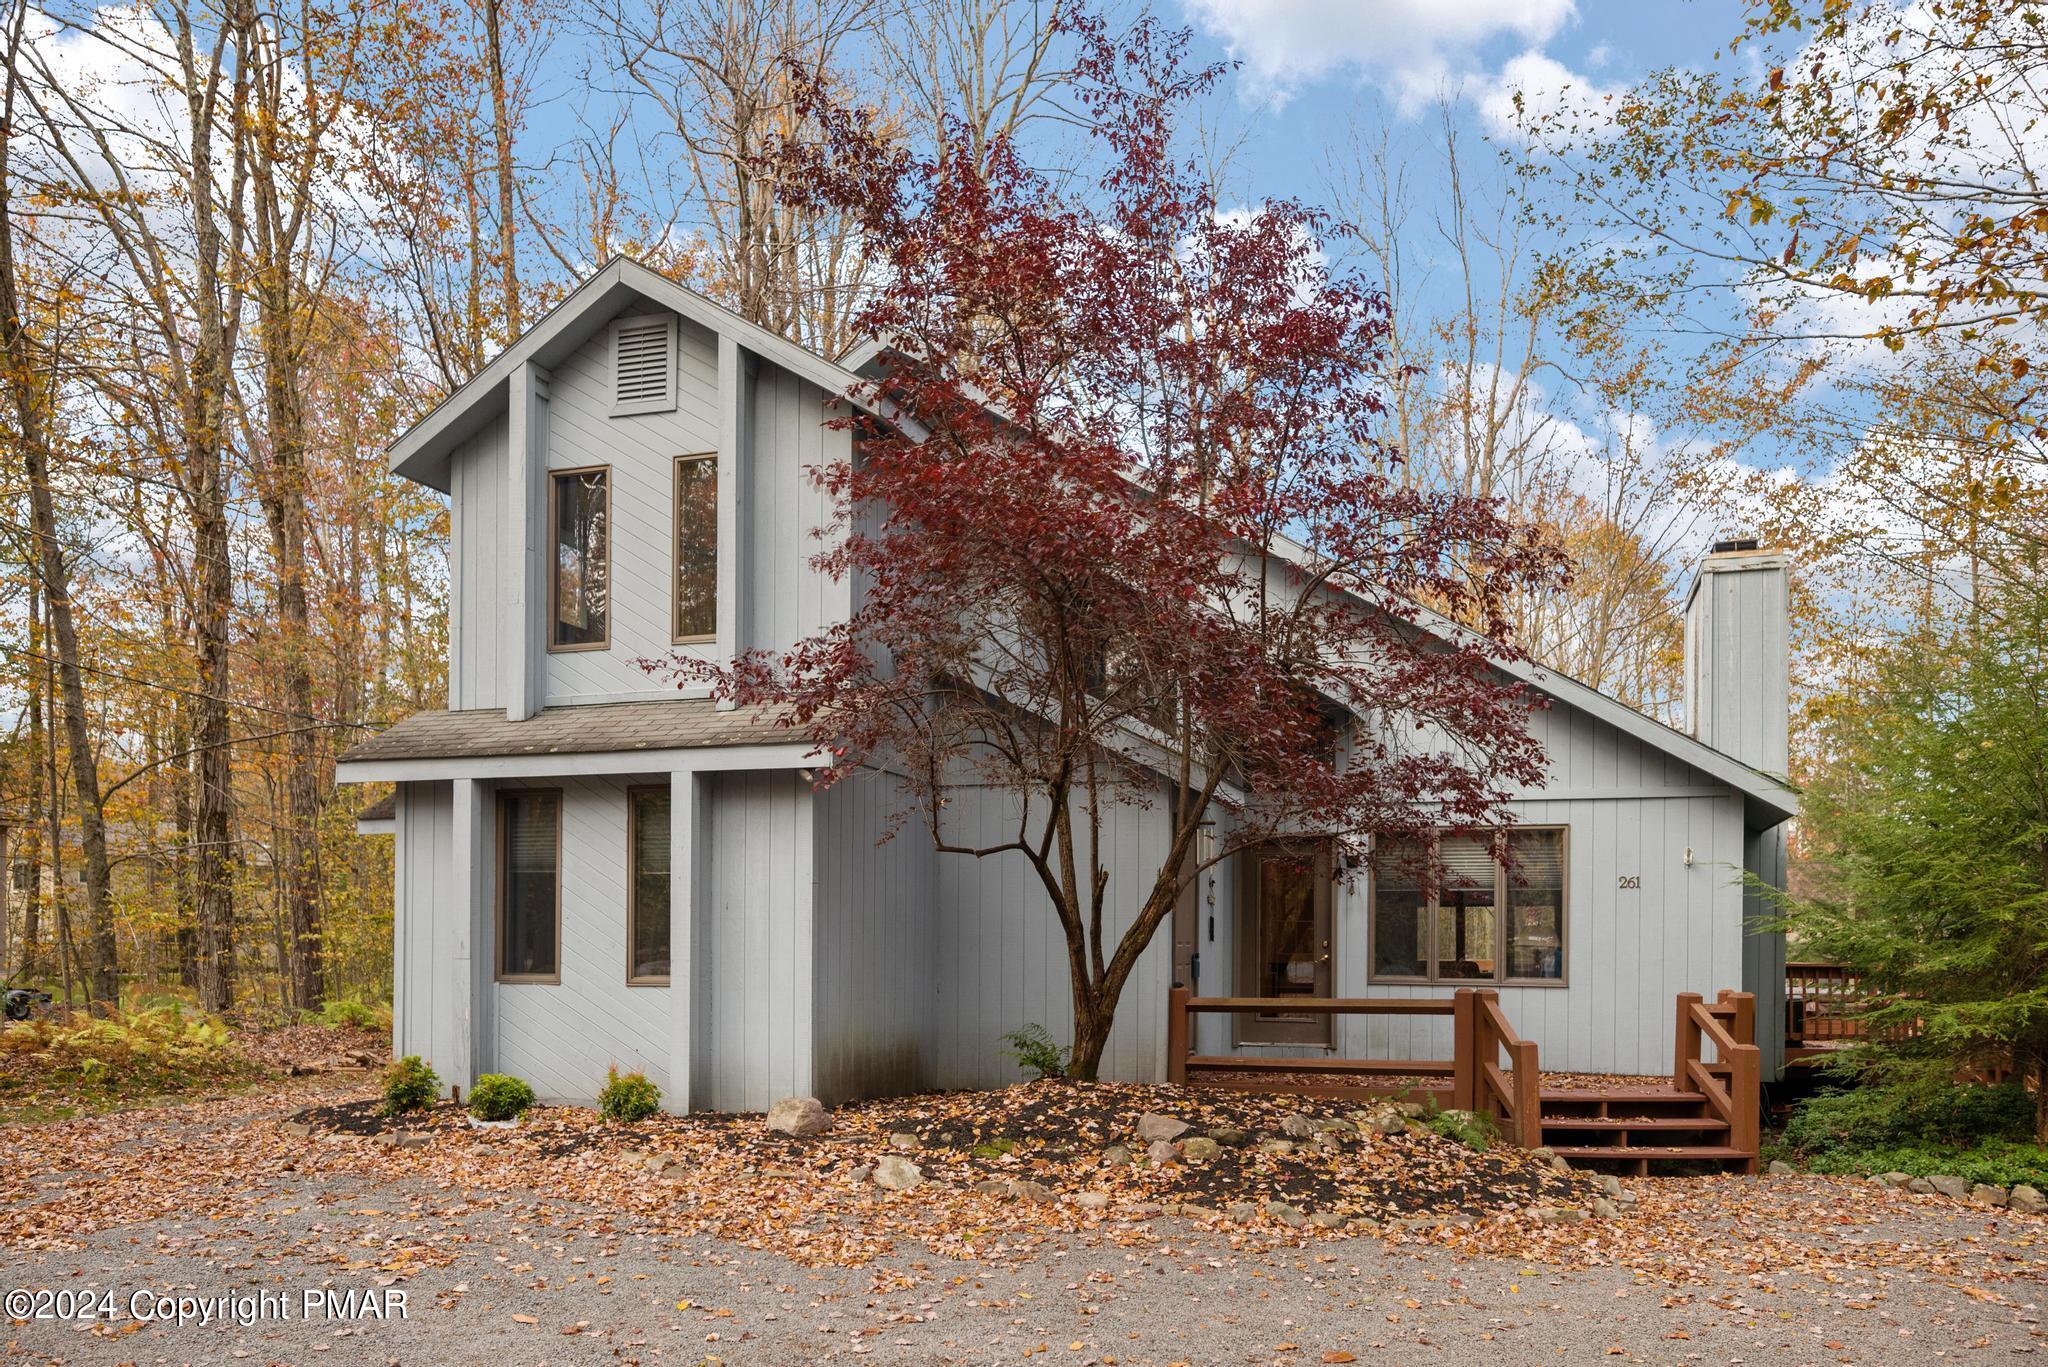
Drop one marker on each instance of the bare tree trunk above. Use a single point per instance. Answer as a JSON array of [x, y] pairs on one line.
[[26, 399], [501, 134]]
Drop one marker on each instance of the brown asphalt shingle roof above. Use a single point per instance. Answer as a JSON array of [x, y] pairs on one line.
[[669, 724]]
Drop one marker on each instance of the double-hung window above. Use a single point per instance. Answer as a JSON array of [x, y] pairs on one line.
[[1466, 917], [529, 886]]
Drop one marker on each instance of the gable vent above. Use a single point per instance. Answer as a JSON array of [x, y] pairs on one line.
[[644, 365]]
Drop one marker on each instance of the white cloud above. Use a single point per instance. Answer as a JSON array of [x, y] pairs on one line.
[[1409, 46], [1543, 86]]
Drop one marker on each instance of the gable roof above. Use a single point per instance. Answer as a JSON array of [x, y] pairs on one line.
[[421, 454]]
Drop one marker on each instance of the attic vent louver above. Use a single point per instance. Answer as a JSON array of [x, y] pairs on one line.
[[644, 365]]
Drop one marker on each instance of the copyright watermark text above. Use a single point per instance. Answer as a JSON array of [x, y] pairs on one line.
[[172, 1309]]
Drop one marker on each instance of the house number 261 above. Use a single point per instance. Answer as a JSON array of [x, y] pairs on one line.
[[1631, 881]]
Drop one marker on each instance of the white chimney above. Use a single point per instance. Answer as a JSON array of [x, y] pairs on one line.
[[1737, 654]]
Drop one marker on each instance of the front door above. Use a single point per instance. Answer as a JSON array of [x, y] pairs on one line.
[[1284, 940]]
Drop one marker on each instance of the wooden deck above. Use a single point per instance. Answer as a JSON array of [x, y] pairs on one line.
[[1708, 1113]]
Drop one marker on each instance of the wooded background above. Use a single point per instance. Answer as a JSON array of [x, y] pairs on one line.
[[1795, 291]]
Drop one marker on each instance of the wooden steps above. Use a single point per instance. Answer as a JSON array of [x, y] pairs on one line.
[[1633, 1127]]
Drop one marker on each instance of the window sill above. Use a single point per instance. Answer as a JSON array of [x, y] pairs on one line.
[[648, 982], [529, 980]]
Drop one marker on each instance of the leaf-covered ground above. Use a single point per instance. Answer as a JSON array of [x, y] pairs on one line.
[[556, 1243]]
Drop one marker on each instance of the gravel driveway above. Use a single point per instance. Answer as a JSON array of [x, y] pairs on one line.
[[511, 1277]]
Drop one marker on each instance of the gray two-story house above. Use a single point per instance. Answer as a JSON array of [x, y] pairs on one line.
[[595, 868]]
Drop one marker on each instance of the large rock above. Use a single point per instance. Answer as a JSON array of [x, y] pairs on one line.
[[1230, 1137], [1954, 1188], [1199, 1150], [1780, 1168], [1920, 1186], [1297, 1126], [1160, 1152], [1985, 1194], [2028, 1200], [1289, 1215], [1117, 1156], [897, 1173], [1152, 1126], [1092, 1200], [801, 1116]]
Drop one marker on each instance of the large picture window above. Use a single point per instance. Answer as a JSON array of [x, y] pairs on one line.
[[696, 548], [647, 890], [529, 886], [1475, 919], [579, 592]]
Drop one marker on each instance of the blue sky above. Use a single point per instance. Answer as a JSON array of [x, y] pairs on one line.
[[1310, 67]]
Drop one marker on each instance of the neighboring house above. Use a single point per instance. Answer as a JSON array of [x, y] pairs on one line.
[[594, 868]]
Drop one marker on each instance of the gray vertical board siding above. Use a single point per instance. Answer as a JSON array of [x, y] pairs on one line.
[[426, 1013], [641, 451], [481, 506], [1003, 956], [754, 970], [1763, 954], [877, 984], [1628, 952], [787, 599], [1737, 683], [561, 1037]]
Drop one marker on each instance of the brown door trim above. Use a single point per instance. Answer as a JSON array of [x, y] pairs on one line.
[[1248, 1027]]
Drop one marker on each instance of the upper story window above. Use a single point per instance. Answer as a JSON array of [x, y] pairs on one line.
[[579, 596], [696, 510], [1482, 921]]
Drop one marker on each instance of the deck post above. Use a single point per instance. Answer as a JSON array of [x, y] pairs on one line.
[[1687, 1047], [1177, 1035], [1528, 1106], [1464, 1050], [1742, 1024]]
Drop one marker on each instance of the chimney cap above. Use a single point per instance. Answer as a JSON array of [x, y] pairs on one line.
[[1734, 543]]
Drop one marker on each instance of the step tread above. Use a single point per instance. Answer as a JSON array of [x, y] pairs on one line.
[[1588, 1122], [1618, 1094], [1646, 1151]]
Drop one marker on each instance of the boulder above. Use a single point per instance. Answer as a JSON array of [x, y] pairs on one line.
[[1142, 1210], [2028, 1200], [1160, 1153], [1326, 1219], [1559, 1215], [1243, 1212], [801, 1116], [1037, 1193], [1092, 1200], [860, 1175], [1280, 1148], [1153, 1127], [1230, 1137], [1199, 1150], [1954, 1188], [1543, 1153], [1610, 1185], [1604, 1209], [1286, 1214], [1896, 1179], [1414, 1110], [897, 1174], [1190, 1211], [1336, 1127], [905, 1141], [1780, 1168], [1388, 1121], [1985, 1194], [1117, 1156], [991, 1186], [1920, 1186], [1297, 1126]]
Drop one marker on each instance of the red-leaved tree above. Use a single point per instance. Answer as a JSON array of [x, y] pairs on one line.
[[1114, 531]]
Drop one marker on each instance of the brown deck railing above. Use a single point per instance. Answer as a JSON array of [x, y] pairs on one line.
[[1480, 1033], [1821, 1004], [1732, 1080]]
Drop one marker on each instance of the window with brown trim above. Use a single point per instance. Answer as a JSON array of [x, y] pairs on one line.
[[647, 886], [530, 886], [696, 513], [579, 586], [1466, 917]]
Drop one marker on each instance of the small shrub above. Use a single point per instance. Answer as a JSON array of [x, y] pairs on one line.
[[1035, 1051], [1470, 1128], [349, 1013], [1877, 1117], [629, 1098], [498, 1097], [409, 1085]]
